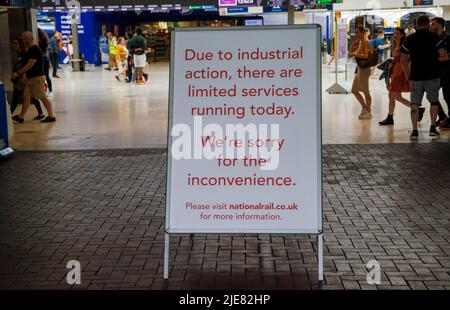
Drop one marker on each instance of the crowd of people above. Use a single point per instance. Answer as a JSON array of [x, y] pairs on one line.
[[420, 66], [31, 74], [128, 56]]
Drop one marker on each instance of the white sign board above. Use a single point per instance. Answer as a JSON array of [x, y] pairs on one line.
[[342, 41], [245, 131]]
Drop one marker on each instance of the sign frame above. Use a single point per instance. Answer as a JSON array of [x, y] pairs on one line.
[[5, 149], [168, 231]]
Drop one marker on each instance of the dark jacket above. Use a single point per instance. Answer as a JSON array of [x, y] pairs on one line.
[[54, 46]]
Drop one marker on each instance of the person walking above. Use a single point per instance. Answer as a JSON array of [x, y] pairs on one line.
[[139, 47], [438, 26], [60, 46], [398, 81], [55, 53], [121, 58], [112, 42], [129, 58], [19, 82], [420, 58], [361, 50], [35, 84], [68, 50], [379, 45], [410, 30], [43, 45]]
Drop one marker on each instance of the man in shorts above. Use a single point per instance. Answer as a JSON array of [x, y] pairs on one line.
[[438, 26], [35, 84], [421, 58], [138, 48], [112, 43]]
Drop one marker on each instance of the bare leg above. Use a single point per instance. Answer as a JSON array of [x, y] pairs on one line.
[[48, 106], [331, 60], [360, 99], [368, 101], [399, 98], [434, 110], [392, 97]]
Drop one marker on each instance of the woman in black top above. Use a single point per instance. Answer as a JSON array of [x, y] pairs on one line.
[[43, 45]]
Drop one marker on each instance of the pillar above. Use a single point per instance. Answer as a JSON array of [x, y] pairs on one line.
[[446, 13], [291, 14]]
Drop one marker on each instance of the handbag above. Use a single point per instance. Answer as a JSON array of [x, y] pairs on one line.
[[371, 61]]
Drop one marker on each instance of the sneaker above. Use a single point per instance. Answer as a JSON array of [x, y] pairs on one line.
[[387, 121], [421, 112], [49, 119], [434, 132], [446, 124], [109, 69], [361, 115], [56, 76], [439, 123], [39, 117], [18, 119], [414, 135], [117, 78], [365, 115]]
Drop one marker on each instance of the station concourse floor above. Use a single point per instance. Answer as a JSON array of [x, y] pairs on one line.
[[95, 111], [92, 187]]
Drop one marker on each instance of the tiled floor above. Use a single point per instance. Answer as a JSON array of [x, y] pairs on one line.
[[96, 111], [105, 208]]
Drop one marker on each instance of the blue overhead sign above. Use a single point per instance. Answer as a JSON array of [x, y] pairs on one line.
[[237, 10], [275, 9]]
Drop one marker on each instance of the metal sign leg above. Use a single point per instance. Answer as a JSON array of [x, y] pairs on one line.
[[166, 256], [320, 255]]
